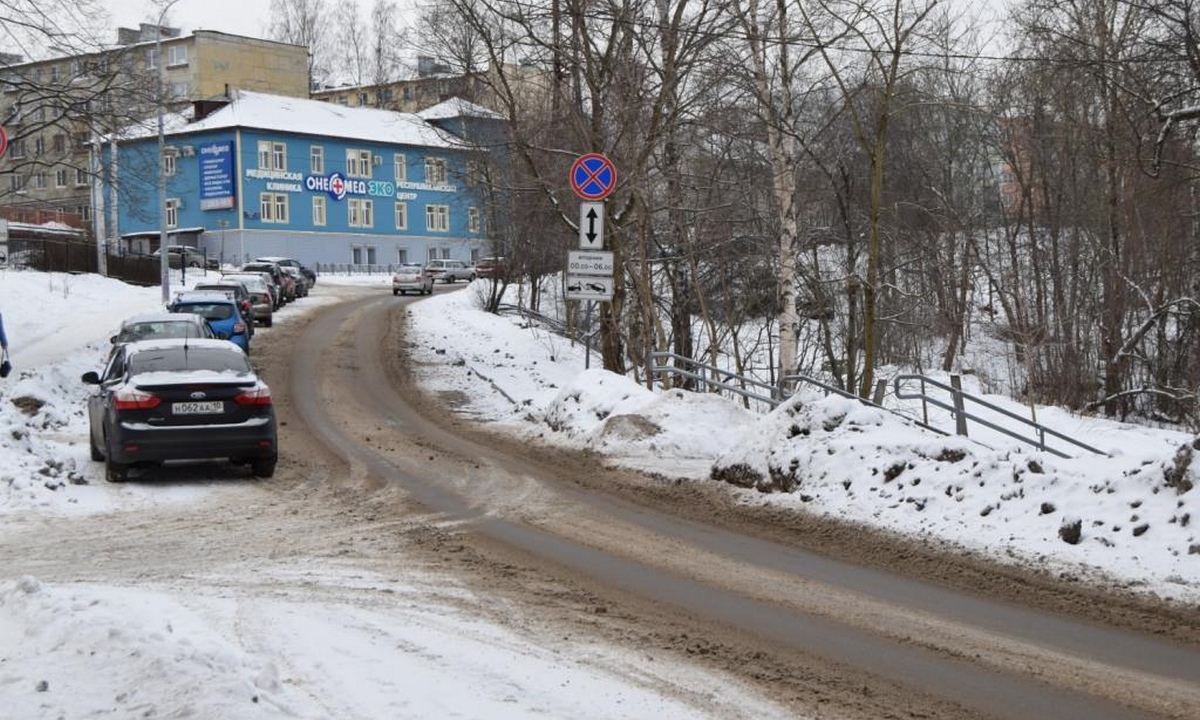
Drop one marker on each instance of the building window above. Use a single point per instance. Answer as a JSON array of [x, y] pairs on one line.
[[177, 55], [401, 256], [18, 182], [363, 100], [60, 144], [400, 167], [151, 59], [318, 209], [39, 181], [358, 163], [473, 219], [18, 148], [316, 160], [401, 216], [370, 254], [39, 146], [360, 212], [273, 207], [437, 218], [172, 207], [84, 212], [435, 171], [60, 178], [272, 155], [168, 161], [81, 177], [179, 91], [55, 74]]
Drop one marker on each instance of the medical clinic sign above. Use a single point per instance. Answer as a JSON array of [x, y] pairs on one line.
[[338, 186], [216, 176]]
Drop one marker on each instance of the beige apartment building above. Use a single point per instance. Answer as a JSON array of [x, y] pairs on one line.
[[435, 83], [52, 110]]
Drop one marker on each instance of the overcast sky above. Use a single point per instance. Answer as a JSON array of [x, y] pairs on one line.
[[239, 17]]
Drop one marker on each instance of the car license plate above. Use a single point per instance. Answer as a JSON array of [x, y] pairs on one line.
[[212, 407]]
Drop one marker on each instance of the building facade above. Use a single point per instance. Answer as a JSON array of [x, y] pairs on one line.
[[275, 175], [52, 110]]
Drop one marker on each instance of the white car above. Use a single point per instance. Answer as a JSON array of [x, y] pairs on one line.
[[449, 271], [412, 277]]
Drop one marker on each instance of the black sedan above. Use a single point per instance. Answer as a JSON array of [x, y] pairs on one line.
[[180, 399]]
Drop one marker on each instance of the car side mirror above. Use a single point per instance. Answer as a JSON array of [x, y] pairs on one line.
[[91, 377], [113, 339]]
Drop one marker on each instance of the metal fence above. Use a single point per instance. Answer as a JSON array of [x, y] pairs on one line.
[[79, 256]]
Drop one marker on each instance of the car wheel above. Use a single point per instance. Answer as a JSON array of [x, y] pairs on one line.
[[263, 467], [269, 322], [395, 292], [114, 471], [97, 456]]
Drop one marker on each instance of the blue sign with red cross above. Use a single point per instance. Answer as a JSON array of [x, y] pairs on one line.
[[593, 176]]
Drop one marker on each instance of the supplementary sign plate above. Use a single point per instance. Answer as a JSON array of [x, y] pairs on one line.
[[589, 287], [591, 225], [581, 262]]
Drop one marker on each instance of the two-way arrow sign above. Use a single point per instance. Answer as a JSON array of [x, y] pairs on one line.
[[591, 225]]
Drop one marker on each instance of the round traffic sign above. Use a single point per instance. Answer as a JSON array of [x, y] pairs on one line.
[[593, 176], [3, 141]]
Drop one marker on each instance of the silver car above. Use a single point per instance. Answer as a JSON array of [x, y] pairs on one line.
[[412, 277], [449, 271]]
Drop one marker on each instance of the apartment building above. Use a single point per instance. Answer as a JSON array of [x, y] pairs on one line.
[[435, 83], [55, 110]]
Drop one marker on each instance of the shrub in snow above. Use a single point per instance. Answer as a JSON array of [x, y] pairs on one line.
[[738, 474], [1179, 474]]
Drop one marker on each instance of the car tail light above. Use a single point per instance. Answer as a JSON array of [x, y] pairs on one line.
[[257, 395], [134, 399]]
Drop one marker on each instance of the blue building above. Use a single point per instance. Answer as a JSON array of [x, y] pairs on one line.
[[274, 175]]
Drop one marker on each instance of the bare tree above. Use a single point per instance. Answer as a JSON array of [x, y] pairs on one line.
[[305, 22]]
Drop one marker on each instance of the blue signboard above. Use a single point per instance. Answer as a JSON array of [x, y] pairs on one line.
[[216, 176]]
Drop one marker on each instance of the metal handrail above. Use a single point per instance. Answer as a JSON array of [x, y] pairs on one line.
[[716, 377], [959, 412], [794, 381]]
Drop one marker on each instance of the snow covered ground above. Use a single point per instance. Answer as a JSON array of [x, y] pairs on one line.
[[119, 648]]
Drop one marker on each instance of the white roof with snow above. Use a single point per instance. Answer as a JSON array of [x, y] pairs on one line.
[[281, 113], [457, 107]]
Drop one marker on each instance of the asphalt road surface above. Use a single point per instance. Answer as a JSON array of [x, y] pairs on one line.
[[832, 620]]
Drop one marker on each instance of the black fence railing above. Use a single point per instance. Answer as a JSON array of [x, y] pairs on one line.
[[77, 256]]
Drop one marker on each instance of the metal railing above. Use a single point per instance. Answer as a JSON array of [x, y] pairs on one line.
[[957, 407], [714, 377]]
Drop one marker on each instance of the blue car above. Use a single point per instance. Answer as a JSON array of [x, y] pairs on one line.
[[220, 310]]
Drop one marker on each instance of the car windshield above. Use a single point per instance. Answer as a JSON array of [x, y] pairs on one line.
[[189, 358], [208, 311]]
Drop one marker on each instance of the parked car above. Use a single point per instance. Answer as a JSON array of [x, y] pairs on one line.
[[262, 303], [234, 289], [284, 282], [491, 267], [298, 278], [265, 277], [158, 401], [223, 313], [161, 326], [293, 262], [187, 256], [449, 271], [412, 277]]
